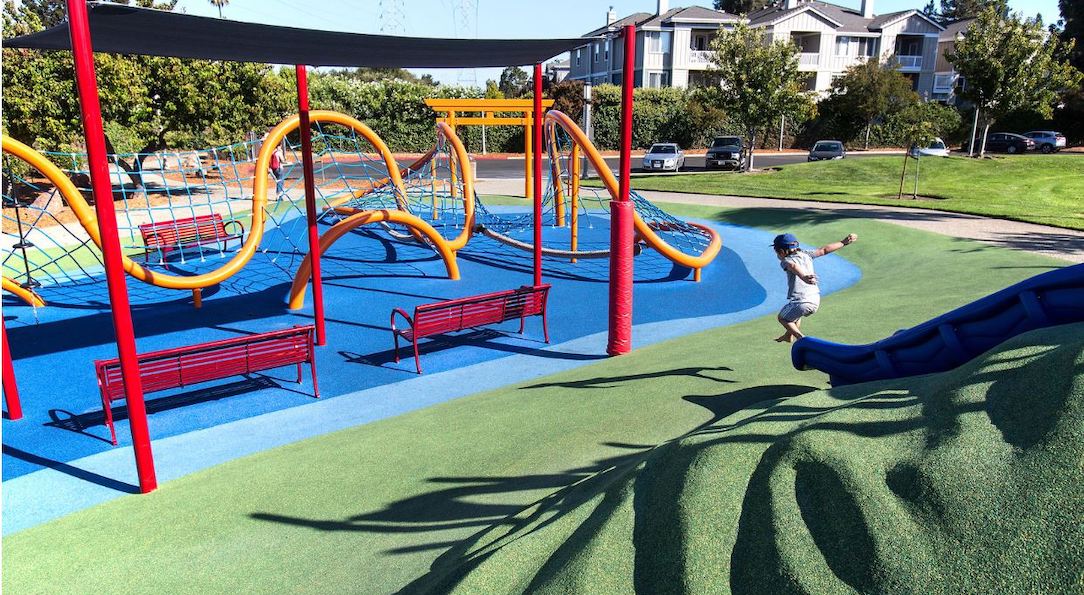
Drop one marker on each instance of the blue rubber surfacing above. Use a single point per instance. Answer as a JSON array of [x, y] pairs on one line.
[[61, 447]]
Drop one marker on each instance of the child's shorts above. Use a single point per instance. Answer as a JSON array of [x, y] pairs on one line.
[[792, 311]]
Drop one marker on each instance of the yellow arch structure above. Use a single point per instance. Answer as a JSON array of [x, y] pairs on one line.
[[301, 279], [697, 262], [465, 173], [27, 295]]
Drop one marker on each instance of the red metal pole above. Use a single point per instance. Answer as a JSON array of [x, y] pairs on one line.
[[310, 202], [621, 218], [11, 391], [537, 129], [87, 83]]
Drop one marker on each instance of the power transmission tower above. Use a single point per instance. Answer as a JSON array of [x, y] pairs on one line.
[[392, 17], [465, 23]]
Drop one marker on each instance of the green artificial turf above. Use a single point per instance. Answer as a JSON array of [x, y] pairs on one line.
[[370, 509], [1044, 189]]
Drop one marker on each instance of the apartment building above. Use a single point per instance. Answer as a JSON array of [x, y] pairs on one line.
[[946, 81], [673, 44]]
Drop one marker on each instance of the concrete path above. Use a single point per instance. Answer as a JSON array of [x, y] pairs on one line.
[[1064, 244]]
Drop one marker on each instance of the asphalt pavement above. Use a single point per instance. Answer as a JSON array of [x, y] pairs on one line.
[[505, 168]]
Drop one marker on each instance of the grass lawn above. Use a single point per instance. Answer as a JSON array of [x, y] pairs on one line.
[[1046, 189], [401, 502]]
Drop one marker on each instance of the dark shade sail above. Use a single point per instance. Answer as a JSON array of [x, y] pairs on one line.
[[118, 29]]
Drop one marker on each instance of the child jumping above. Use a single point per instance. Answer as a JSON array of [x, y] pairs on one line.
[[803, 294]]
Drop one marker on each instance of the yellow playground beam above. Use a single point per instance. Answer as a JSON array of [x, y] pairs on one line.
[[27, 295], [455, 112]]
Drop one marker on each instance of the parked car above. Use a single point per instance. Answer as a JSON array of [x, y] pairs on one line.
[[1004, 142], [1047, 141], [827, 149], [937, 148], [726, 152], [664, 157]]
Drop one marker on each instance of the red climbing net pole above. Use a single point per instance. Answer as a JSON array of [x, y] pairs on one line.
[[310, 202], [11, 391], [87, 83], [621, 219], [537, 130]]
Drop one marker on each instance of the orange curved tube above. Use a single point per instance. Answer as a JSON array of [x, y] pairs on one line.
[[301, 278], [27, 295], [696, 262]]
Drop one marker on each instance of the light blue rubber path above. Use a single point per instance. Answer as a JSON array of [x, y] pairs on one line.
[[44, 495]]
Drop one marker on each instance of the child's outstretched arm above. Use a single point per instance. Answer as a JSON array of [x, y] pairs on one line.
[[810, 278], [830, 248]]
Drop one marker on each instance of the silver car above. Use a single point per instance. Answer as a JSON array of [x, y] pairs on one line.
[[664, 157], [1047, 141]]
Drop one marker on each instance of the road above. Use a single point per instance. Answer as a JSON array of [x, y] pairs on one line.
[[513, 168]]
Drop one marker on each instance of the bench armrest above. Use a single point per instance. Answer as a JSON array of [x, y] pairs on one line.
[[238, 224], [402, 313]]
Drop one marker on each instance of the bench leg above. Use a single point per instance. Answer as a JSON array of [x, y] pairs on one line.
[[545, 330], [522, 320], [299, 372], [315, 386], [417, 360], [395, 338], [107, 409]]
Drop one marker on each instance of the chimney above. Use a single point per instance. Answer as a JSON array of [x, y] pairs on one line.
[[867, 9], [789, 4], [611, 16], [662, 6]]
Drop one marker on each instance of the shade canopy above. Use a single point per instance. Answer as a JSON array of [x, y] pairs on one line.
[[118, 29]]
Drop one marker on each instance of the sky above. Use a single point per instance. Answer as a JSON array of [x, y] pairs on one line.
[[516, 19]]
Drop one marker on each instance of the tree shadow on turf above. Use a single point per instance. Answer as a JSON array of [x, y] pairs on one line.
[[613, 381]]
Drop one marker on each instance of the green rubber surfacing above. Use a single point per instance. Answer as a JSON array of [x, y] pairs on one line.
[[372, 508]]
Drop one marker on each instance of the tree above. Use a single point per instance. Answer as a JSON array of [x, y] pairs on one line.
[[568, 98], [917, 125], [954, 10], [1011, 64], [1072, 16], [219, 4], [513, 82], [493, 91], [148, 102], [760, 82], [868, 91], [741, 6]]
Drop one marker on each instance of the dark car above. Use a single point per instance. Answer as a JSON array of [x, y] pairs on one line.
[[726, 152], [827, 149], [1005, 142]]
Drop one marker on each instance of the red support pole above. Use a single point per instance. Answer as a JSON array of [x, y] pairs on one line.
[[621, 218], [537, 130], [310, 202], [11, 391], [87, 83]]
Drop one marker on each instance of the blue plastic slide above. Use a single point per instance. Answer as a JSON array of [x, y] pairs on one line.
[[1052, 298]]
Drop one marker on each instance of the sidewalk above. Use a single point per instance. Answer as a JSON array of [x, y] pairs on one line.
[[1063, 244]]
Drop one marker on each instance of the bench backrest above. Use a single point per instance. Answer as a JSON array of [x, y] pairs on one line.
[[183, 231], [182, 366], [468, 312]]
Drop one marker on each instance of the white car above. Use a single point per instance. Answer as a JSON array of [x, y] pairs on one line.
[[937, 148], [664, 157], [1047, 141]]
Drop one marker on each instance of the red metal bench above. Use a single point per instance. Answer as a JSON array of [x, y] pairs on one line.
[[192, 364], [166, 236], [470, 312]]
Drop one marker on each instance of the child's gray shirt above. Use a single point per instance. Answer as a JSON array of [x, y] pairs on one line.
[[798, 290]]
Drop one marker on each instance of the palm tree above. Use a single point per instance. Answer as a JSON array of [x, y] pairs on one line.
[[219, 4]]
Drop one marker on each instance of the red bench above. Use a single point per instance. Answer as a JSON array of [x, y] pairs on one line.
[[192, 364], [166, 236], [470, 312]]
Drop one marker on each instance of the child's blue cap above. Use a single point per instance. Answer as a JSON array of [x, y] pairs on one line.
[[785, 241]]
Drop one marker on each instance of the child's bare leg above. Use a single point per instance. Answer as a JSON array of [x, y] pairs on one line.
[[785, 337], [793, 332]]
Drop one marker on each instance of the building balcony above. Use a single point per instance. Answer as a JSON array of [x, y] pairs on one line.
[[700, 58], [809, 59], [840, 63], [909, 62], [944, 84]]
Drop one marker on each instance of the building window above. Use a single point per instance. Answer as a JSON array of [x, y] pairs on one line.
[[606, 54], [596, 46], [700, 43], [843, 46], [658, 42], [579, 54], [867, 46], [656, 80]]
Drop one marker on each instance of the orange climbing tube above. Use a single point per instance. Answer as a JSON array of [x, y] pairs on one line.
[[696, 262], [301, 279], [27, 295]]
